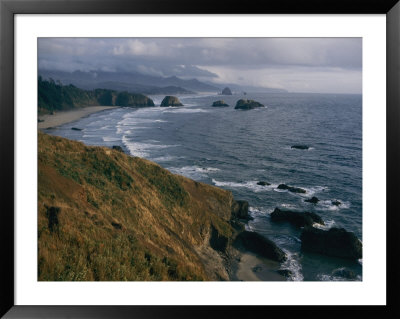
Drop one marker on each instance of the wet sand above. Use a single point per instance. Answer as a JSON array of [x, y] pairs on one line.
[[249, 267], [63, 117]]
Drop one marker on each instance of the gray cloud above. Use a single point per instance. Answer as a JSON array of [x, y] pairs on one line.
[[290, 60]]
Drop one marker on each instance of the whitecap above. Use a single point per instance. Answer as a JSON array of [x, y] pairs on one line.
[[292, 264], [110, 139], [327, 205], [184, 110], [142, 149], [194, 172], [329, 223], [252, 185]]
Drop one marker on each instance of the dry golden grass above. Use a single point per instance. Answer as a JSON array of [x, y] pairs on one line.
[[120, 218]]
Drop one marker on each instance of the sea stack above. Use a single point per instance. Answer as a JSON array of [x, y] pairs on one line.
[[219, 103], [226, 91], [171, 101], [247, 104]]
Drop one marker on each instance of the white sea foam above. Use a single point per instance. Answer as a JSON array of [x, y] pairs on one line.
[[249, 184], [329, 223], [327, 205], [110, 139], [166, 158], [292, 263], [194, 172], [184, 110], [142, 149]]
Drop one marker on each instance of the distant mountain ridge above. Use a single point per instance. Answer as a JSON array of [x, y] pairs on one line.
[[129, 81]]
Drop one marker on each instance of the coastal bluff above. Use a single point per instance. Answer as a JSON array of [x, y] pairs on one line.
[[104, 215]]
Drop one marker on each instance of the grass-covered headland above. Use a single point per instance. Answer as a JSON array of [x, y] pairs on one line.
[[104, 215]]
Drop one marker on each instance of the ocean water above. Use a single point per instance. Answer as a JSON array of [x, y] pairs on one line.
[[234, 149]]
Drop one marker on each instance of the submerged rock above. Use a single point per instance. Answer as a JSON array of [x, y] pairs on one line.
[[263, 183], [291, 188], [298, 219], [226, 91], [336, 203], [171, 101], [336, 242], [312, 200], [247, 104], [76, 129], [300, 147], [219, 103], [260, 245], [240, 209]]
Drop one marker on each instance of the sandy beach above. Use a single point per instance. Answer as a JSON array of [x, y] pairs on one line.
[[249, 267], [63, 117]]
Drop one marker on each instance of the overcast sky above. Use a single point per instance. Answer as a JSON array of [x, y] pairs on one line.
[[322, 65]]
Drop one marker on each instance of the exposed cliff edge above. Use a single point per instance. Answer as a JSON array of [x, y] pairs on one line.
[[104, 215]]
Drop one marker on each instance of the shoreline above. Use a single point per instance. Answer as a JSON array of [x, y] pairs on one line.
[[64, 117]]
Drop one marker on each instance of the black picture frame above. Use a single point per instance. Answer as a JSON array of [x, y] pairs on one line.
[[9, 8]]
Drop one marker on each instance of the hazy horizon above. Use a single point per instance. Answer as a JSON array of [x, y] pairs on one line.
[[298, 65]]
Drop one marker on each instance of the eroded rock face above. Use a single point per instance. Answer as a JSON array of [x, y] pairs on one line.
[[247, 104], [336, 242], [226, 91], [260, 245], [298, 219], [219, 103], [240, 209], [171, 101]]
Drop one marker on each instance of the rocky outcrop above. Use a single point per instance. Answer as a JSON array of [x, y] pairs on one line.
[[300, 147], [247, 104], [336, 203], [219, 103], [240, 209], [133, 100], [312, 200], [292, 189], [226, 91], [118, 148], [336, 242], [171, 101], [259, 245], [298, 219], [261, 183]]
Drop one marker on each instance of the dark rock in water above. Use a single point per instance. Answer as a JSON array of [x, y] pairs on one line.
[[171, 101], [292, 189], [40, 121], [312, 200], [336, 242], [260, 245], [344, 273], [240, 209], [218, 241], [301, 147], [247, 104], [336, 203], [296, 218], [226, 91], [285, 273], [237, 225], [263, 183], [118, 148], [219, 103], [76, 129]]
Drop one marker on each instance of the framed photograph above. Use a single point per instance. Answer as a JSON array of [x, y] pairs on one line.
[[174, 159]]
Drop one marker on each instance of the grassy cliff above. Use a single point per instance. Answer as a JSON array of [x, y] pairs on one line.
[[54, 96], [103, 215]]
